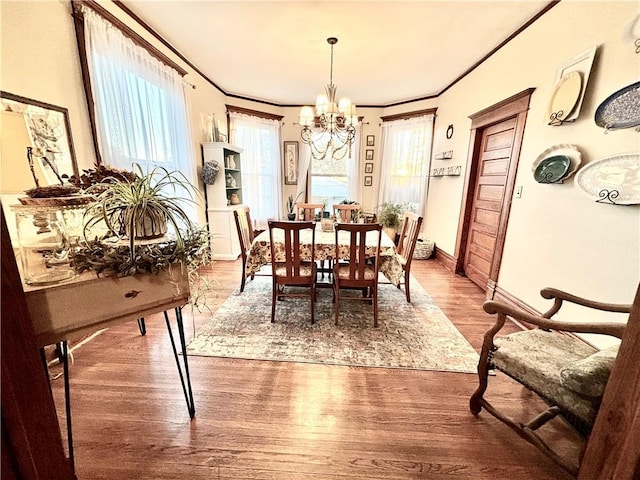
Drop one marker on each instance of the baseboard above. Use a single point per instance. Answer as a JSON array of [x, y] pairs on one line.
[[503, 296], [446, 260], [225, 256]]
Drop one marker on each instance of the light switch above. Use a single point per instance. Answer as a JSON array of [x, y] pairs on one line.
[[519, 192]]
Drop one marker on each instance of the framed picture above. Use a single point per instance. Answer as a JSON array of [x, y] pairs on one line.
[[371, 139], [45, 128], [369, 154], [291, 163], [368, 181], [368, 168]]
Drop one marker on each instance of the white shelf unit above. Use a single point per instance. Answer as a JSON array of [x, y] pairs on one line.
[[222, 228]]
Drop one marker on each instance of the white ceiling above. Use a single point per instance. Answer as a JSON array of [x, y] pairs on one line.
[[387, 51]]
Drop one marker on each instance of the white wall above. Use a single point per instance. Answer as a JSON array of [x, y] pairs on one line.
[[556, 236]]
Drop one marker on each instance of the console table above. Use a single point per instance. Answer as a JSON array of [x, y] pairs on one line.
[[68, 310]]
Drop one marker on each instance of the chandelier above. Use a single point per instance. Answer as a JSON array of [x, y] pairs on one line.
[[332, 129]]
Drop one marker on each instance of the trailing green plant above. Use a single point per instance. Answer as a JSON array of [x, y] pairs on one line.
[[108, 258], [129, 205], [391, 214]]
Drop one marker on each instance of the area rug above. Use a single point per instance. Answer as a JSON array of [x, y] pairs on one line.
[[415, 335]]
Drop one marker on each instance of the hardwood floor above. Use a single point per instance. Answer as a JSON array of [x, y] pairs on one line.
[[272, 420]]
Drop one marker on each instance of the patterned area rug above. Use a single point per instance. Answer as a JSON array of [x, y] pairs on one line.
[[412, 336]]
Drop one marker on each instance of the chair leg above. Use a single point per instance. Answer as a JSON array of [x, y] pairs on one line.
[[273, 301], [336, 294], [244, 278], [313, 300], [406, 286], [476, 400], [374, 291]]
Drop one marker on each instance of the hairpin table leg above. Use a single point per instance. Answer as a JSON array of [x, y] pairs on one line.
[[186, 387], [142, 326], [67, 399]]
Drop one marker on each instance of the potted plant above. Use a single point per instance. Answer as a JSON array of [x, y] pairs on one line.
[[389, 217], [141, 208], [291, 205]]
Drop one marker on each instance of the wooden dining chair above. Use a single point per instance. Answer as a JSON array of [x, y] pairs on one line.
[[361, 270], [297, 268], [406, 245], [348, 213], [308, 211], [242, 216]]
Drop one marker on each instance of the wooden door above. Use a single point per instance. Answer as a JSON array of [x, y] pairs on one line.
[[496, 146], [494, 151]]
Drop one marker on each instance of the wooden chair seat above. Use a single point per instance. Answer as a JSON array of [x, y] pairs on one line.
[[342, 271], [307, 269]]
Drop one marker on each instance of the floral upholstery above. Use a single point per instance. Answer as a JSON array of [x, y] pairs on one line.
[[325, 249], [343, 272], [536, 359], [589, 376], [306, 269]]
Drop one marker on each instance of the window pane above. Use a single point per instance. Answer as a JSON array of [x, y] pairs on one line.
[[329, 189]]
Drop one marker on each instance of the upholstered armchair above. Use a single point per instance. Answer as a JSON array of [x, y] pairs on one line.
[[566, 372]]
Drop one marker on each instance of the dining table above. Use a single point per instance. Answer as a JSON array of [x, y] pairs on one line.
[[325, 249]]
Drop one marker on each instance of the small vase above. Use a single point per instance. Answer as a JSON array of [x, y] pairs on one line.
[[291, 217]]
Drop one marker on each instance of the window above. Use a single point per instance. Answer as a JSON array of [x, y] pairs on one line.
[[139, 104], [333, 180], [261, 171], [406, 150]]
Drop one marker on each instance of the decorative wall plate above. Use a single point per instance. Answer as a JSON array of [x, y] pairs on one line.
[[552, 169], [621, 109], [565, 97], [563, 149], [614, 179]]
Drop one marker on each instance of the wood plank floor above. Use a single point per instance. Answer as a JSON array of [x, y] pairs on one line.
[[279, 420]]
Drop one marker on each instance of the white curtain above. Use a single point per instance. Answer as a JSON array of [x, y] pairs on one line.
[[406, 150], [140, 103], [261, 166], [303, 171], [353, 169]]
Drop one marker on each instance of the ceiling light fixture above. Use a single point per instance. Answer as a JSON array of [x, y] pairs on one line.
[[332, 129]]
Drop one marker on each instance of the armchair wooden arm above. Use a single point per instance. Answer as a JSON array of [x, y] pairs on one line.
[[559, 296], [615, 329]]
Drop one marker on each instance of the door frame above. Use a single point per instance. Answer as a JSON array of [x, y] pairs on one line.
[[515, 106]]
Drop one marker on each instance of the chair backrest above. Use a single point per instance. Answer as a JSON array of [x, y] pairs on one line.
[[361, 252], [242, 216], [409, 235], [348, 212], [307, 211], [290, 247]]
